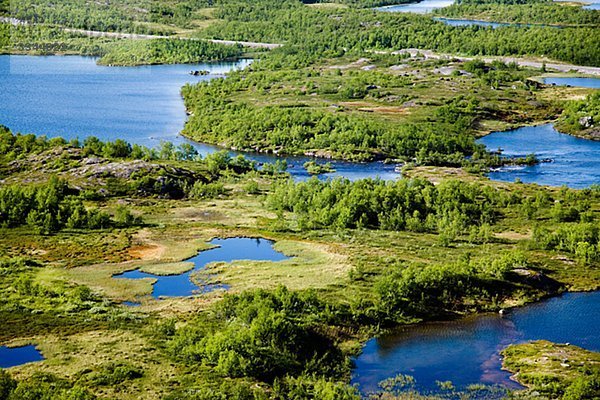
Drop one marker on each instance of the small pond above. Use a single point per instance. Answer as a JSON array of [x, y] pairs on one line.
[[466, 351], [14, 356], [227, 250], [574, 161]]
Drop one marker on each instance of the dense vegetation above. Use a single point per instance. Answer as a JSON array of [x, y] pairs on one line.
[[415, 205], [167, 51], [536, 12], [341, 31], [364, 256], [312, 32]]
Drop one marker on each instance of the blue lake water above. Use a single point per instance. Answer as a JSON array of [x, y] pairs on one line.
[[422, 7], [470, 22], [466, 351], [575, 161], [73, 97], [228, 250], [593, 83], [13, 356]]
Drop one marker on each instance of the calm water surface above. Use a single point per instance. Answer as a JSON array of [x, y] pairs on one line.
[[423, 7], [467, 351], [576, 162], [593, 83], [228, 250], [73, 97], [13, 356]]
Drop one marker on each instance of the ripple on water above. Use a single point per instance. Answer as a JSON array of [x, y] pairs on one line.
[[574, 161]]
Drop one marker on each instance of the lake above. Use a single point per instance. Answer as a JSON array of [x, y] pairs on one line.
[[422, 7], [226, 250], [14, 356], [466, 351], [574, 161], [73, 97]]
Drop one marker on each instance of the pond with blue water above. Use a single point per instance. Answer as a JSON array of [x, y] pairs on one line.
[[225, 250], [15, 356], [466, 351]]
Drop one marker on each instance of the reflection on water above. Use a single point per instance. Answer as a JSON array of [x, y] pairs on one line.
[[73, 97], [228, 250], [466, 351]]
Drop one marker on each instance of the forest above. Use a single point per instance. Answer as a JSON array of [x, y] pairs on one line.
[[530, 12]]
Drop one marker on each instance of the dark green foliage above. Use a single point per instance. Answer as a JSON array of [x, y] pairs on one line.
[[167, 51], [425, 290], [43, 386], [7, 384], [51, 207], [264, 335], [98, 16], [341, 31], [415, 205]]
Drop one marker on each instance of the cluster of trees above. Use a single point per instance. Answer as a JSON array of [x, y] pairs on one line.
[[265, 335], [166, 51], [418, 290], [531, 12], [297, 129], [331, 32], [580, 239], [415, 205], [53, 206], [122, 16], [579, 115]]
